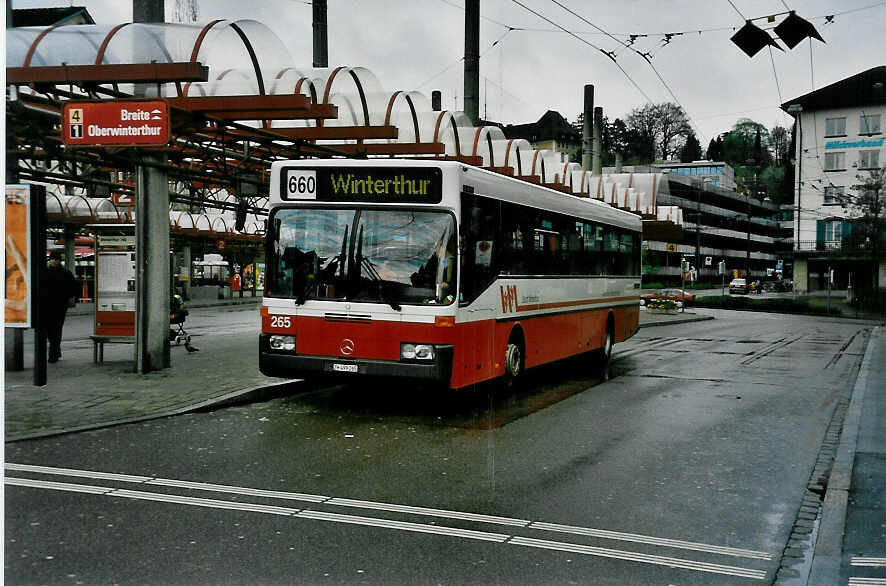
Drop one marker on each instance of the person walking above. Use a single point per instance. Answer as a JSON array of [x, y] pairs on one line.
[[57, 288]]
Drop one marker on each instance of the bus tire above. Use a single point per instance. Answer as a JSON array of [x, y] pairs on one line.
[[514, 362]]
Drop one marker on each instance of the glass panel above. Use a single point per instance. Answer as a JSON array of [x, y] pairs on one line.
[[392, 256]]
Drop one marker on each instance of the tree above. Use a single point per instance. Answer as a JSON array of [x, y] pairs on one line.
[[867, 211], [673, 123], [655, 131], [715, 149], [691, 150], [779, 142]]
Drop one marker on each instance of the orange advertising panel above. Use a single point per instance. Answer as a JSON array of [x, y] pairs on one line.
[[116, 123], [17, 303]]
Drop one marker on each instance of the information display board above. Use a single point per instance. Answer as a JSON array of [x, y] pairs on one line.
[[115, 286]]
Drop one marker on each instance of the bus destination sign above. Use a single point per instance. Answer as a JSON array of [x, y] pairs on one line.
[[363, 184], [116, 123]]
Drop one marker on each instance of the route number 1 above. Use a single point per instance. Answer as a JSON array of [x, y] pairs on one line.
[[301, 184]]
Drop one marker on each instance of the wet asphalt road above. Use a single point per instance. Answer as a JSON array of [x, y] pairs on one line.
[[684, 462]]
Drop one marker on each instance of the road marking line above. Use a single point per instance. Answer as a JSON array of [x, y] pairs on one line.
[[57, 485], [295, 496], [429, 512], [867, 581], [403, 526], [78, 473], [200, 502], [631, 537], [870, 562], [640, 557], [372, 505], [391, 524]]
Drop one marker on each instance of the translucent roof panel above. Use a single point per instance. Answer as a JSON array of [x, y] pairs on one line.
[[71, 45], [143, 43], [18, 40]]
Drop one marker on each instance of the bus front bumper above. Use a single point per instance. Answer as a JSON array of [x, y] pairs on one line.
[[291, 365]]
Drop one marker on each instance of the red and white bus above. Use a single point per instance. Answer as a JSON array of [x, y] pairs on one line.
[[439, 271]]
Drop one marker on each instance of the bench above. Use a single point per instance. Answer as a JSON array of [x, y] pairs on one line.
[[98, 345]]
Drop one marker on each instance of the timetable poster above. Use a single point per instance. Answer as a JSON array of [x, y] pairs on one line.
[[17, 299]]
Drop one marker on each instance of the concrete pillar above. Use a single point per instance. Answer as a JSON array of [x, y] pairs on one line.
[[801, 275], [598, 141], [70, 247], [587, 148], [321, 43], [472, 61], [152, 265], [618, 162]]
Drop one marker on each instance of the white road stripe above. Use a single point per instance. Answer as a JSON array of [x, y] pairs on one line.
[[429, 512], [397, 525], [640, 557], [869, 562], [78, 473], [199, 502], [372, 505], [274, 494], [634, 538], [867, 581], [404, 526], [57, 485]]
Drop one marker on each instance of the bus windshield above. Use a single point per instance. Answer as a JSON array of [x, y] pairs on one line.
[[377, 255]]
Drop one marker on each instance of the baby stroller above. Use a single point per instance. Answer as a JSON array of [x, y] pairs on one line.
[[177, 315]]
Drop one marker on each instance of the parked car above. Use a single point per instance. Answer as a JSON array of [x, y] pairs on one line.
[[680, 296], [738, 286]]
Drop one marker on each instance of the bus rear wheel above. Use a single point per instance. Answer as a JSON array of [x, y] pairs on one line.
[[514, 364]]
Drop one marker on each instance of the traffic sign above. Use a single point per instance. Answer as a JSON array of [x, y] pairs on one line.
[[671, 247], [123, 199], [116, 123]]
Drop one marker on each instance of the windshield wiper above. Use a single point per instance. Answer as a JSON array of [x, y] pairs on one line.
[[363, 262]]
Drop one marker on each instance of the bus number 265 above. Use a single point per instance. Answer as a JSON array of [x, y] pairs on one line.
[[281, 321]]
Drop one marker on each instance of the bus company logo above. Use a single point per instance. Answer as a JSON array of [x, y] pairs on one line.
[[508, 298], [347, 347]]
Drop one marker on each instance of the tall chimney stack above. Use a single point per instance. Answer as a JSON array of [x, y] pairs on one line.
[[598, 141], [321, 43], [472, 61], [586, 146]]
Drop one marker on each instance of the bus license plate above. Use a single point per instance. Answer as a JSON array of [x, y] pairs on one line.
[[344, 367]]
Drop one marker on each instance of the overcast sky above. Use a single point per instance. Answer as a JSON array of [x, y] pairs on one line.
[[418, 45]]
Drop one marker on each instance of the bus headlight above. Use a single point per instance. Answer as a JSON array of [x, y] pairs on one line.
[[282, 343], [416, 351]]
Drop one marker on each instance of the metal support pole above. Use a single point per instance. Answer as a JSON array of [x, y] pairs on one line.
[[587, 148], [152, 266], [436, 100], [186, 272], [38, 264], [472, 61]]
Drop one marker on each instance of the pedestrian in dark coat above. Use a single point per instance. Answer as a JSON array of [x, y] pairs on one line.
[[57, 288]]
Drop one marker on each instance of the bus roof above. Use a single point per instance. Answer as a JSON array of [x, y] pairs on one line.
[[485, 183]]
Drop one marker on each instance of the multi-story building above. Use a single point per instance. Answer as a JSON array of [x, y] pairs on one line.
[[717, 174], [551, 132], [839, 130]]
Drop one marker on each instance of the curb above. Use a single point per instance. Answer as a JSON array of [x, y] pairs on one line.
[[243, 396], [827, 556], [677, 321]]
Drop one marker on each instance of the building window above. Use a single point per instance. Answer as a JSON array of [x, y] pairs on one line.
[[835, 127], [835, 161], [870, 124], [830, 234], [833, 195], [868, 159]]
